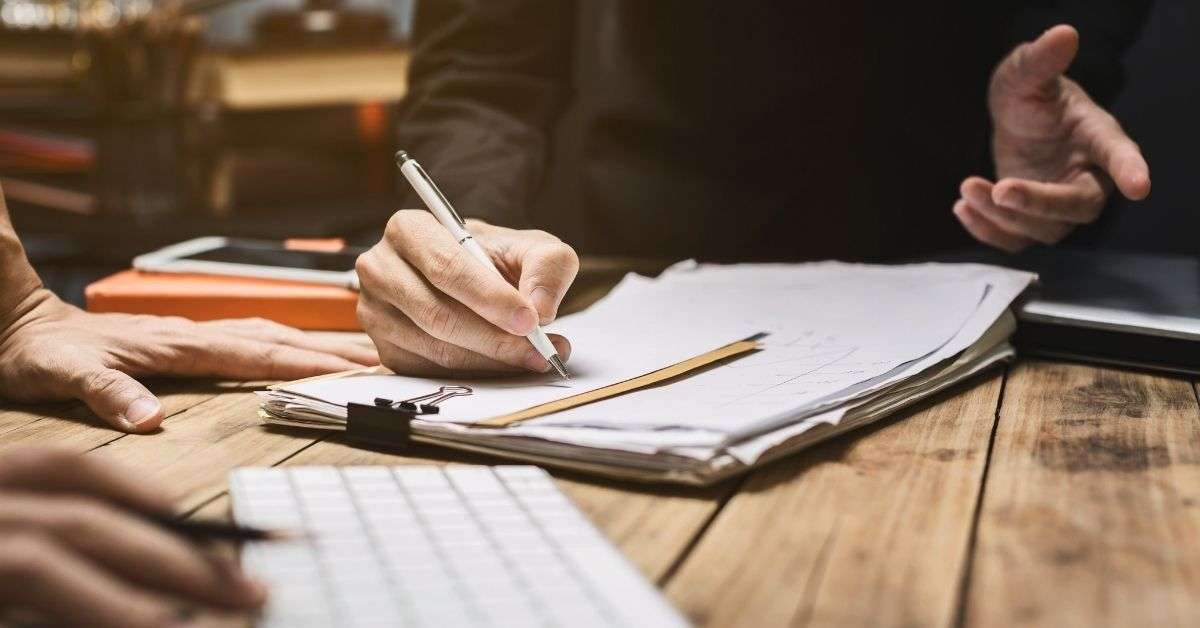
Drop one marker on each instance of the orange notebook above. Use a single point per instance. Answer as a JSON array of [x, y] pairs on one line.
[[209, 297]]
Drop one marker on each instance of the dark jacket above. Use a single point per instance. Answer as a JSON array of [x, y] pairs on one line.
[[726, 130]]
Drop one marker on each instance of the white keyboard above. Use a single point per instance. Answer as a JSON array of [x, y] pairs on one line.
[[435, 546]]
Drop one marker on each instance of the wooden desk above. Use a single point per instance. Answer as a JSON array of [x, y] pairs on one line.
[[1049, 494]]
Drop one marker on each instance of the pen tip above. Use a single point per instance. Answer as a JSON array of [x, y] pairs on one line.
[[556, 362]]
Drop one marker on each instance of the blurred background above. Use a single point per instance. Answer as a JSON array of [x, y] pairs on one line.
[[126, 125]]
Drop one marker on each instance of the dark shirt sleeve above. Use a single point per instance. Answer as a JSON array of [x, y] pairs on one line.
[[1107, 28], [487, 82]]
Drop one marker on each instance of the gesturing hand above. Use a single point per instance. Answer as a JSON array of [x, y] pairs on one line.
[[1057, 153], [74, 549], [56, 351], [431, 308]]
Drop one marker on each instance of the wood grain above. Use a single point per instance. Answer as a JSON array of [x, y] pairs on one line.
[[194, 452], [73, 426], [871, 529], [1091, 510]]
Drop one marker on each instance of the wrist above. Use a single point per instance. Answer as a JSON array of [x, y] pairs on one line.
[[37, 302]]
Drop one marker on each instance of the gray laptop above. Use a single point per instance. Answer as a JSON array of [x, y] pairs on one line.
[[1126, 309]]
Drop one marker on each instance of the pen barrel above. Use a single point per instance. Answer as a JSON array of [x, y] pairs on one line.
[[480, 255], [433, 199], [541, 342]]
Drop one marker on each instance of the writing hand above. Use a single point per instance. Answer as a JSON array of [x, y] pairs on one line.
[[433, 309], [1057, 152]]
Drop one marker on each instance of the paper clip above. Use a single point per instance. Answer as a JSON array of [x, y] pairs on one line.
[[425, 404]]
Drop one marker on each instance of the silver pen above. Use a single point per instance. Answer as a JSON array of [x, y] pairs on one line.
[[445, 214]]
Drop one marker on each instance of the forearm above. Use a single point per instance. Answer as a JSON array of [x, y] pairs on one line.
[[488, 80], [19, 284]]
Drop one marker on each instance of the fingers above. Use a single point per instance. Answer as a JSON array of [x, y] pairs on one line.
[[1033, 68], [416, 316], [418, 239], [448, 336], [1111, 149], [406, 362], [225, 355], [38, 573], [986, 231], [548, 268], [1078, 202], [978, 194], [270, 331], [116, 397], [134, 549], [59, 471]]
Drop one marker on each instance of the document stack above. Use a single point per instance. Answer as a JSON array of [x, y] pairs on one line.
[[702, 373]]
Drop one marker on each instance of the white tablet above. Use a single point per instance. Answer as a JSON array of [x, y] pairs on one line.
[[254, 258]]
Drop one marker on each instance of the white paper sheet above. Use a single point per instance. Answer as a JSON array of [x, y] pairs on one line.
[[635, 330], [840, 331]]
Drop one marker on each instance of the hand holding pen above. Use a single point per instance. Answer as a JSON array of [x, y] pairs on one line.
[[433, 307], [80, 544]]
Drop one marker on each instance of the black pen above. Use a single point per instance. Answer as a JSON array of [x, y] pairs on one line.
[[201, 530]]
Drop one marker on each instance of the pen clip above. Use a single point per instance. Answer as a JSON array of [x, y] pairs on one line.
[[442, 197]]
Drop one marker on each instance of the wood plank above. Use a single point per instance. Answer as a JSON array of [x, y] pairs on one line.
[[870, 529], [73, 426], [1091, 511], [652, 526], [199, 447]]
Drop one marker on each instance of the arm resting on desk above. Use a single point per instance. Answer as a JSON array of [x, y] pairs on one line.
[[52, 350]]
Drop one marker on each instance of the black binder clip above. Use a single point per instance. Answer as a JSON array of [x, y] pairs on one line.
[[388, 423]]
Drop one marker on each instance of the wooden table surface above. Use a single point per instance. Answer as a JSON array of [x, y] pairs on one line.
[[1048, 494]]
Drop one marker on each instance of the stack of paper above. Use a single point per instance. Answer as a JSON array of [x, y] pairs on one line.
[[844, 345]]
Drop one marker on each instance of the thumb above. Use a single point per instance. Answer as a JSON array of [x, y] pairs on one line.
[[119, 399], [547, 270], [1034, 67]]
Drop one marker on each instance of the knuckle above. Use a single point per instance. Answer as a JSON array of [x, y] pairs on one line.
[[367, 267], [443, 267], [565, 257], [102, 381]]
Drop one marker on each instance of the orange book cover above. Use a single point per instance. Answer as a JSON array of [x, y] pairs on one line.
[[210, 297]]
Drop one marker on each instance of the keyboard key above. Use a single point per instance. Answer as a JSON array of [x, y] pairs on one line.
[[475, 480], [422, 479]]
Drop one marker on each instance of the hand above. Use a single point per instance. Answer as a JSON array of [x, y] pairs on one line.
[[73, 548], [56, 351], [1057, 153], [432, 309]]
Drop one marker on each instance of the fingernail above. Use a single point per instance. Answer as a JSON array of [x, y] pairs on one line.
[[1014, 198], [141, 410], [523, 321], [543, 299]]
